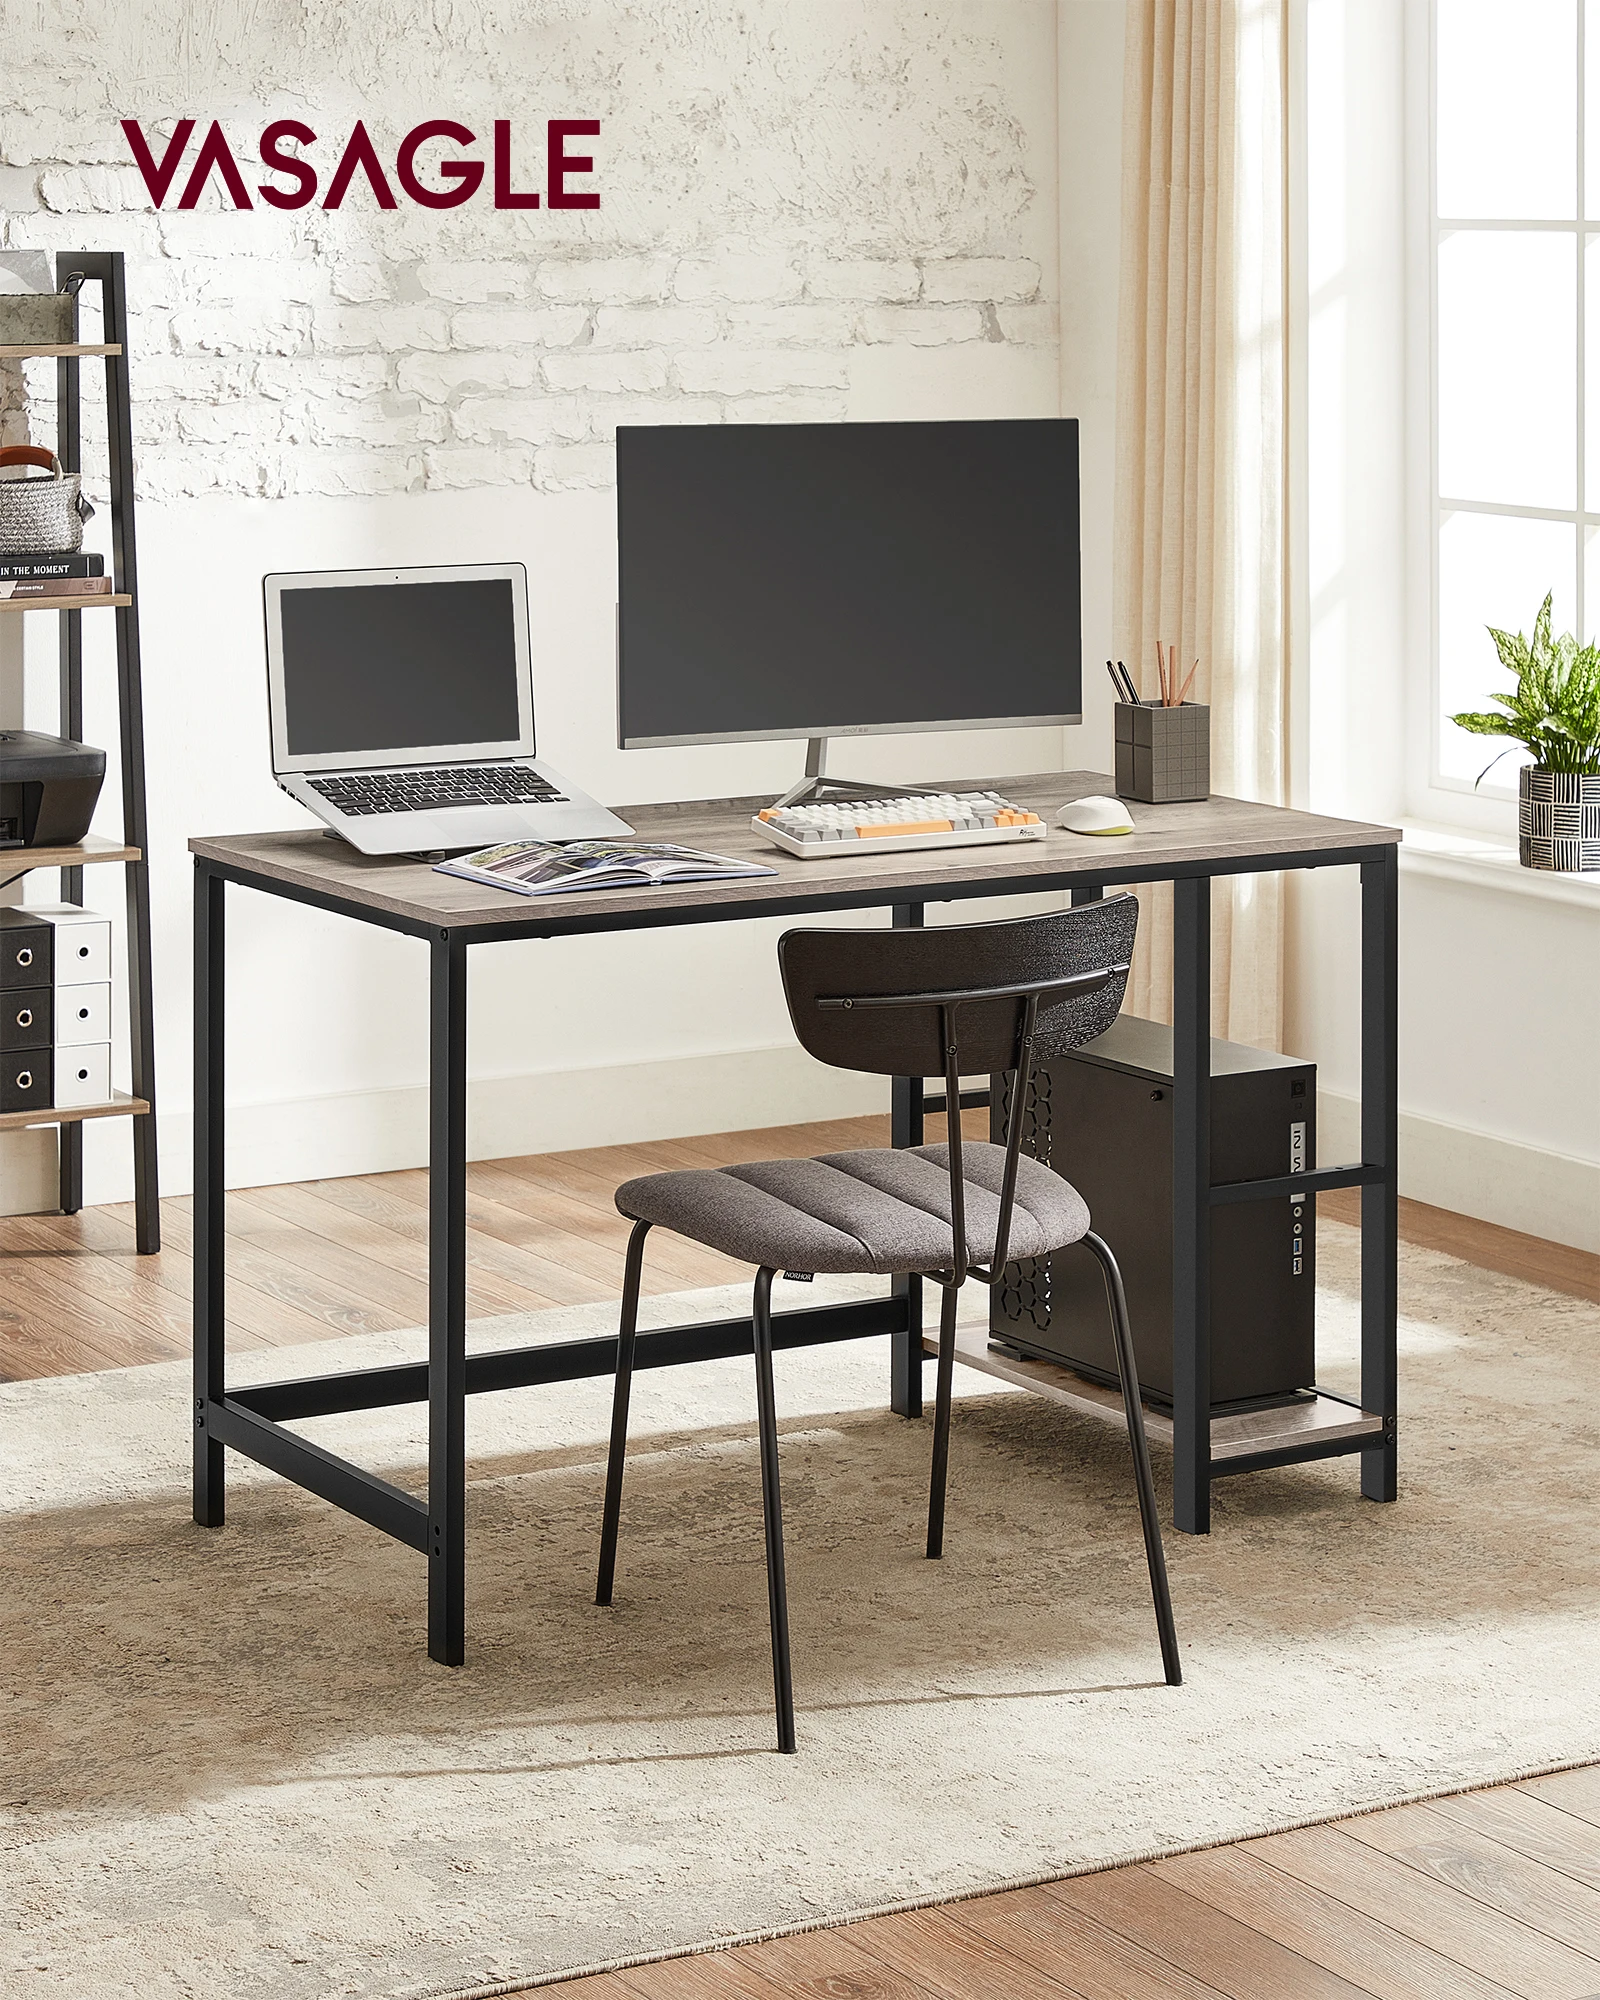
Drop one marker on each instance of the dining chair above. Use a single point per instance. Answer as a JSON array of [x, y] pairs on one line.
[[973, 999]]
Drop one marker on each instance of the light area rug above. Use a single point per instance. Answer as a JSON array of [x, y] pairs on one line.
[[230, 1769]]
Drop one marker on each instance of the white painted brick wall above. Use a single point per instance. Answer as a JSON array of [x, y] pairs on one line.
[[783, 185], [922, 326]]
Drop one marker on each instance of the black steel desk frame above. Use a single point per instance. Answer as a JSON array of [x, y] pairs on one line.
[[253, 1420]]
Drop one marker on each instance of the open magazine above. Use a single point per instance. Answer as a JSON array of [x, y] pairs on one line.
[[549, 868]]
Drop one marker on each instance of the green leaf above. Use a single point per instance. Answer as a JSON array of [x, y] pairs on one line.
[[1541, 625], [1482, 725], [1512, 648]]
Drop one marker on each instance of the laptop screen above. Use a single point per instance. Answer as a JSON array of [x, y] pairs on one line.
[[398, 665]]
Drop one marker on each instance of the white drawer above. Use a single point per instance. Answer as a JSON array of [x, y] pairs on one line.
[[82, 942], [83, 1014], [83, 1075], [83, 952]]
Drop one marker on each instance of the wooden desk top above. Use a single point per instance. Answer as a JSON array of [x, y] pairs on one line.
[[1199, 838]]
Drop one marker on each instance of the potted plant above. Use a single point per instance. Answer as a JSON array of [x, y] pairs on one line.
[[1554, 713]]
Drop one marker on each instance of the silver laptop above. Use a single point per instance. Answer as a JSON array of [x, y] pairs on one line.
[[402, 710]]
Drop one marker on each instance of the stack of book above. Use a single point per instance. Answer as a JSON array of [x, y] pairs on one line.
[[55, 579]]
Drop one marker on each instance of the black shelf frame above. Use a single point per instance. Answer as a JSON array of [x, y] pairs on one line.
[[105, 269]]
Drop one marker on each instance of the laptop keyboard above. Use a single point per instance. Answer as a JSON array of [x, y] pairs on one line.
[[358, 792]]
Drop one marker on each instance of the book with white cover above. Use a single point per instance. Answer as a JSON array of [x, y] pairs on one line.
[[551, 868]]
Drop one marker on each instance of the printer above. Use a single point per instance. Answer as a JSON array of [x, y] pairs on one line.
[[48, 788]]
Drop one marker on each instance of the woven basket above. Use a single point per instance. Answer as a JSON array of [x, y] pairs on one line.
[[1558, 815], [39, 516]]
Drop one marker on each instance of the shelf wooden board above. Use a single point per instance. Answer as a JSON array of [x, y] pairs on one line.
[[1323, 1421], [15, 861], [119, 1105], [110, 598], [1318, 1422], [47, 353]]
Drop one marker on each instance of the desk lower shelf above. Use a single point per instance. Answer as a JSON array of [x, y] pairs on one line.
[[117, 1105], [1325, 1427]]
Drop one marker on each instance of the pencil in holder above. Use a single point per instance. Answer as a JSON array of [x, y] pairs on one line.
[[1163, 754]]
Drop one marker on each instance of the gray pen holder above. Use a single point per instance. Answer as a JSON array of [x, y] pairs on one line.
[[1163, 754]]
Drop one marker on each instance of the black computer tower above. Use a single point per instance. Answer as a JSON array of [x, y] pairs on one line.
[[1102, 1118]]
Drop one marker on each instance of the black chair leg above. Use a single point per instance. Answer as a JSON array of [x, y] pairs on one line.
[[772, 1512], [627, 1326], [1128, 1374], [941, 1420]]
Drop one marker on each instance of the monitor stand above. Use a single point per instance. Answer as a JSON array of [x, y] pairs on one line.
[[816, 784]]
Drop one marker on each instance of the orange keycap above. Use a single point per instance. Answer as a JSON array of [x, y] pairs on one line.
[[914, 826]]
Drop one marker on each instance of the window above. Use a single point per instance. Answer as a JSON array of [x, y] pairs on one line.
[[1516, 420]]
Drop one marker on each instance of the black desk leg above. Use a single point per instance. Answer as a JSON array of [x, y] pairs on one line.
[[905, 1129], [210, 1280], [1191, 1205], [1380, 1120], [447, 1300]]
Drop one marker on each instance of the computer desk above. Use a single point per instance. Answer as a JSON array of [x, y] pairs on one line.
[[1187, 845]]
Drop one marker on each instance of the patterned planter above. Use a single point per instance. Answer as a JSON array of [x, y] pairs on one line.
[[1558, 820]]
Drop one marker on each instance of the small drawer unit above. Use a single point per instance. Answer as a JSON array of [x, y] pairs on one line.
[[27, 950], [81, 942], [25, 1080], [82, 1075], [82, 1014], [27, 1017], [55, 1007]]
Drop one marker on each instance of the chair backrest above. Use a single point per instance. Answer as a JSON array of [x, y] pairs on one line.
[[962, 1001], [990, 966]]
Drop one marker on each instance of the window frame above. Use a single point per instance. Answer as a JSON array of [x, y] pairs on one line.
[[1433, 794]]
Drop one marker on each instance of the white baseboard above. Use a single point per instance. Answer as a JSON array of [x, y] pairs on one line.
[[552, 1111], [1474, 1173]]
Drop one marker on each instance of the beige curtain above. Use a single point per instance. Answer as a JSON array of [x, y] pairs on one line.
[[1201, 485]]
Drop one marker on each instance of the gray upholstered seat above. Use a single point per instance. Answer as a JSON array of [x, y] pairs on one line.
[[878, 1211]]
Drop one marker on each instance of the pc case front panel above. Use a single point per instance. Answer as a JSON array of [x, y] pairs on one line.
[[1102, 1118]]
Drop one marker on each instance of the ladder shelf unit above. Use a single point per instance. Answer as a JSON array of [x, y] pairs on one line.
[[105, 269]]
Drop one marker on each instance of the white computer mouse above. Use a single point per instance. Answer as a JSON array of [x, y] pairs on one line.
[[1095, 814]]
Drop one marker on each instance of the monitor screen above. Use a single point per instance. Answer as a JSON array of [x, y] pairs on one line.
[[783, 580], [398, 665]]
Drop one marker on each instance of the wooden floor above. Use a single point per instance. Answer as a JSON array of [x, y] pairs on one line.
[[1473, 1898], [322, 1259]]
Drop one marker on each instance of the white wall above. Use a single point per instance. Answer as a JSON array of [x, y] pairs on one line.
[[1500, 1096], [808, 211]]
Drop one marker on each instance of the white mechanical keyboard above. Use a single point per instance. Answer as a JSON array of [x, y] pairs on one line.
[[877, 826]]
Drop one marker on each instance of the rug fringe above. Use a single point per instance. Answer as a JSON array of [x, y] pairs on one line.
[[503, 1989]]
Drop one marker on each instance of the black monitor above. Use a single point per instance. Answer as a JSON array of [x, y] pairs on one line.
[[816, 580]]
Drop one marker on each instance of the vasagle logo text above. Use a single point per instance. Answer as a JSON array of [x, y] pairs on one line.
[[448, 182]]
